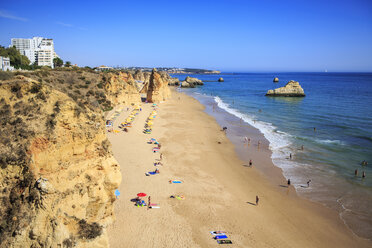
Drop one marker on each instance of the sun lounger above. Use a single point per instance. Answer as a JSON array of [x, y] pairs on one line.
[[224, 241], [220, 237], [218, 233], [154, 206]]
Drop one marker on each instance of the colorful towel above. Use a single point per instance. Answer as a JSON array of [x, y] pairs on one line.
[[220, 237], [176, 182]]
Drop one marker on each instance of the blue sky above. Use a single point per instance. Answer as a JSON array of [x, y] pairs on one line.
[[230, 35]]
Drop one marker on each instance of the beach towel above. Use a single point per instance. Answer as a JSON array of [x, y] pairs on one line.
[[180, 197], [225, 241], [154, 204], [151, 173], [220, 237], [176, 182], [218, 233]]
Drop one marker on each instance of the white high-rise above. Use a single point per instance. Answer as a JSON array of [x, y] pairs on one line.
[[37, 49]]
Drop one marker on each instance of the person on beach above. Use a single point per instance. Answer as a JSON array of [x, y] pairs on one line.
[[224, 129], [308, 183], [289, 182], [258, 144], [314, 129], [364, 174], [245, 139], [250, 163], [161, 156], [302, 147], [257, 200], [149, 202], [157, 171], [356, 172]]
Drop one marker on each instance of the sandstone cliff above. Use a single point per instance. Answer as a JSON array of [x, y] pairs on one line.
[[292, 88], [157, 89], [121, 88], [57, 173]]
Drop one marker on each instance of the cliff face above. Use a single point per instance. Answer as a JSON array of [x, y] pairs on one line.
[[57, 175], [292, 88], [158, 89], [121, 88]]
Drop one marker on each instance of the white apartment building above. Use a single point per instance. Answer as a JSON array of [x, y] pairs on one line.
[[37, 49], [5, 64]]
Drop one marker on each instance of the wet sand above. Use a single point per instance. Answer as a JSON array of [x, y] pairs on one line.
[[219, 190]]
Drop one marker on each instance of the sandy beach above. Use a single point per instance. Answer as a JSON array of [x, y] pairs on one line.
[[219, 192]]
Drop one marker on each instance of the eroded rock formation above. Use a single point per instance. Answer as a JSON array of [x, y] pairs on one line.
[[57, 172], [292, 88], [194, 81], [157, 89], [121, 88]]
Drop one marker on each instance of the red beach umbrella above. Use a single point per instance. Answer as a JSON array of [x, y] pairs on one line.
[[141, 194]]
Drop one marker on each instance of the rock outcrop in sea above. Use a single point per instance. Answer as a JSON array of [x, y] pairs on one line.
[[191, 82], [275, 80], [158, 89], [221, 79], [292, 88]]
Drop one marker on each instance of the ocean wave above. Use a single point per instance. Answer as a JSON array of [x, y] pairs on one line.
[[279, 140], [327, 141]]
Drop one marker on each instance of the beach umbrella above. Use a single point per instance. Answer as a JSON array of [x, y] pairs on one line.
[[141, 194]]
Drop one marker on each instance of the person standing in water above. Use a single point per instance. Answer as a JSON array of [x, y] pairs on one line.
[[356, 172], [364, 174], [289, 182], [308, 183], [250, 163], [290, 156]]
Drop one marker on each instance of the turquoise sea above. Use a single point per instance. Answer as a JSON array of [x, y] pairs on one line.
[[337, 105]]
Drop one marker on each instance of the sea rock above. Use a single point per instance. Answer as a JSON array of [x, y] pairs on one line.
[[275, 80], [221, 79], [173, 82], [185, 84], [292, 88], [158, 89], [194, 81]]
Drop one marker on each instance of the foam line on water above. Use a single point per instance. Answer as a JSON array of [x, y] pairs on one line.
[[278, 139]]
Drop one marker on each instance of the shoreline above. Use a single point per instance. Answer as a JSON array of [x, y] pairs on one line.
[[219, 190], [275, 174]]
